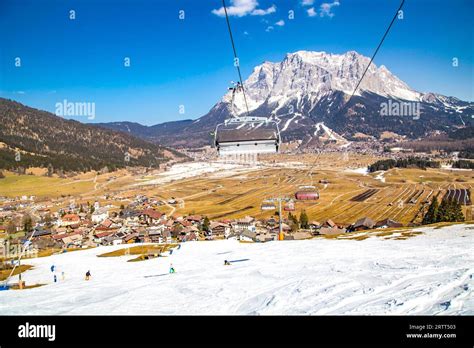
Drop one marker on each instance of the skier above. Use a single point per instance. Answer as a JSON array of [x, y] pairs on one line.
[[88, 275], [172, 270], [179, 246], [52, 268], [226, 263], [63, 276], [55, 279]]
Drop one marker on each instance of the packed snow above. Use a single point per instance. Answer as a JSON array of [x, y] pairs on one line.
[[193, 169], [431, 273], [380, 176], [361, 170], [328, 132]]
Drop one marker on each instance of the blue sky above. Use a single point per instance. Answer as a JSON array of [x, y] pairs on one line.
[[189, 62]]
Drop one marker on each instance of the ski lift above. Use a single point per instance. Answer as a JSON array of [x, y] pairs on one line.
[[268, 205], [307, 193], [246, 134], [290, 206]]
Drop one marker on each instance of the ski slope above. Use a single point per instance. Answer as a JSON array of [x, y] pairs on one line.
[[428, 274]]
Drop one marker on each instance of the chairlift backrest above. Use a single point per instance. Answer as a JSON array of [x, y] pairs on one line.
[[249, 134]]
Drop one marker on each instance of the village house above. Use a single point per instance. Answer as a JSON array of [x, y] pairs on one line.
[[151, 217], [285, 228], [111, 240], [100, 235], [131, 238], [99, 215], [271, 222], [300, 235], [388, 223], [166, 237], [44, 243], [266, 236], [68, 220], [219, 230], [69, 239], [245, 224], [129, 215], [363, 224], [155, 236], [329, 228], [39, 231], [247, 236], [190, 235], [194, 219]]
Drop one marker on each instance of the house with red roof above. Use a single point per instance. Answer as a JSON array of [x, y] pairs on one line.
[[69, 219]]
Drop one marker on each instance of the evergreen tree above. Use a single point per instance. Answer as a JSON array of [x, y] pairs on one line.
[[457, 212], [48, 220], [206, 224], [432, 213], [442, 215], [304, 222], [27, 223], [450, 210], [293, 220], [450, 206]]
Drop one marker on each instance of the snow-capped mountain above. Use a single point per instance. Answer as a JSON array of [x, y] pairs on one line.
[[310, 88], [315, 75], [307, 89]]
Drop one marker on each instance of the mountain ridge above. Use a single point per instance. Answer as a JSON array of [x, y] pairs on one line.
[[308, 88], [31, 137]]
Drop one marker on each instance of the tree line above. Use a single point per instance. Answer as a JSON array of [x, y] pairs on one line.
[[449, 210], [403, 163], [463, 164], [302, 222]]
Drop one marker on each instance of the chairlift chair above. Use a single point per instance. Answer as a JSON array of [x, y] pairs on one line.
[[307, 193], [290, 206], [246, 134], [249, 134], [268, 205]]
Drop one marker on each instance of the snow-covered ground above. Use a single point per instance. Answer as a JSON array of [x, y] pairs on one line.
[[450, 167], [428, 274], [380, 176], [192, 169], [361, 170]]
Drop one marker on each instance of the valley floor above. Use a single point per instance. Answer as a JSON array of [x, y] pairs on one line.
[[432, 273]]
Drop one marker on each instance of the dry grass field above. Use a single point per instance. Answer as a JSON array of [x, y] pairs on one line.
[[400, 194]]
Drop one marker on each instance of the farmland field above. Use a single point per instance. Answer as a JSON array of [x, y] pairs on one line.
[[237, 191], [463, 196], [222, 190]]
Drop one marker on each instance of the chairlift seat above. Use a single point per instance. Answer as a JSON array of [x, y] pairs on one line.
[[268, 206], [242, 135]]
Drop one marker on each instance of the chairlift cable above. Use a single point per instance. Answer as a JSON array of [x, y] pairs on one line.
[[365, 71], [376, 50], [236, 59]]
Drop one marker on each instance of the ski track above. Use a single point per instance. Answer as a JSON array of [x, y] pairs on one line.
[[432, 273]]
